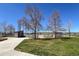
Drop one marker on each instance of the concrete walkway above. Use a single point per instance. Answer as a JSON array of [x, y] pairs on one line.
[[7, 47]]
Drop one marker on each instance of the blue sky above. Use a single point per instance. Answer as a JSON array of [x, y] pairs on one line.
[[10, 13]]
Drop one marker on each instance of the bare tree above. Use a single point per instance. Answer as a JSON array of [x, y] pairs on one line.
[[19, 24], [7, 28], [10, 29], [55, 23], [35, 19], [23, 23], [69, 24], [4, 26]]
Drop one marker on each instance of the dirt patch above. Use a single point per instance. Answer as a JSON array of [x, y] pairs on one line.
[[2, 38]]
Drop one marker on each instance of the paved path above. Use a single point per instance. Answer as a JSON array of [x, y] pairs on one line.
[[7, 47]]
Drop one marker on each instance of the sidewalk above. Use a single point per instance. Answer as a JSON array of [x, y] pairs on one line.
[[7, 47]]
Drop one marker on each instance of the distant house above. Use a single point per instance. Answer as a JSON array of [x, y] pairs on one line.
[[44, 34], [41, 34]]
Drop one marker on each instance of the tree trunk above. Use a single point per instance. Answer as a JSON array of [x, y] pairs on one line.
[[69, 33], [55, 29], [55, 35], [35, 36]]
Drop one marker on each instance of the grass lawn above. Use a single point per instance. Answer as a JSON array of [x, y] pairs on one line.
[[54, 47]]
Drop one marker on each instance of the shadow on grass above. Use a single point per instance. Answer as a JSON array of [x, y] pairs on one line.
[[44, 38], [65, 38], [62, 38]]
